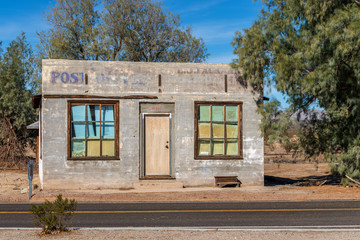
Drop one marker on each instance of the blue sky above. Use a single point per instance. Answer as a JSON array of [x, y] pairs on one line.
[[216, 21]]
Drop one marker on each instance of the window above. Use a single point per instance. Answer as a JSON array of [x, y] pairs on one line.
[[218, 130], [93, 130]]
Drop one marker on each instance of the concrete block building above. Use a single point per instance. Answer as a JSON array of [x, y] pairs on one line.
[[117, 124]]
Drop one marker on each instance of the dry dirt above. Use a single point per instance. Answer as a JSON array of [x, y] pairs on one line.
[[283, 182], [276, 153], [188, 234]]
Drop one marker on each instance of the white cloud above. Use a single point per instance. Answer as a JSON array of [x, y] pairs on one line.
[[199, 5], [214, 32], [30, 24], [221, 58]]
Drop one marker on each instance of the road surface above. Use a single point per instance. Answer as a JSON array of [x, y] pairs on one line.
[[310, 214]]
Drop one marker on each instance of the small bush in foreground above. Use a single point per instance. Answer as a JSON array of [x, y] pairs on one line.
[[54, 217]]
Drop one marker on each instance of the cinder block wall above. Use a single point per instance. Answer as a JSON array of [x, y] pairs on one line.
[[181, 84]]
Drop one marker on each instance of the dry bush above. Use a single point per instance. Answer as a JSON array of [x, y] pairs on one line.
[[12, 150]]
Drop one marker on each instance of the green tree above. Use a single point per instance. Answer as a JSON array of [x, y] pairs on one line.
[[137, 30], [310, 51], [17, 84], [74, 31]]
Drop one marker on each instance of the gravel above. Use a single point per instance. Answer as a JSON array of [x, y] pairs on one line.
[[185, 234]]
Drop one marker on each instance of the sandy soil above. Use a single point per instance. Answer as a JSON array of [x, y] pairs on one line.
[[283, 182], [276, 153], [175, 234]]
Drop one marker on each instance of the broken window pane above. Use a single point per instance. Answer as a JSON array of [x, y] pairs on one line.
[[93, 130], [232, 147], [218, 147], [108, 148], [78, 130], [218, 130], [231, 130], [78, 148], [108, 130], [93, 148], [90, 124], [204, 147], [93, 112], [107, 112], [204, 113], [231, 113], [78, 113], [204, 130], [218, 113]]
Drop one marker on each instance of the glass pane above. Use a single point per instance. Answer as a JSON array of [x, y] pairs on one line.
[[218, 147], [231, 130], [108, 148], [232, 147], [218, 130], [204, 147], [107, 112], [204, 130], [78, 130], [93, 130], [93, 112], [108, 130], [231, 113], [78, 113], [78, 148], [93, 148], [204, 113], [218, 113]]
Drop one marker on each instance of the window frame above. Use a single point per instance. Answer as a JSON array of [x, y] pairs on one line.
[[197, 104], [116, 128]]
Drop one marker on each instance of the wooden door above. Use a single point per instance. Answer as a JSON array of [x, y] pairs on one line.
[[157, 145]]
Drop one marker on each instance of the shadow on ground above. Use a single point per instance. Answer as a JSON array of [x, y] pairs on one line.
[[303, 181]]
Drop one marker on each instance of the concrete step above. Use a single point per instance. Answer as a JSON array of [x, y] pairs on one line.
[[158, 184]]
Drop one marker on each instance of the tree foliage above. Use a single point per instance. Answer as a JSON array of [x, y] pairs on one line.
[[137, 30], [277, 125], [17, 84], [310, 51]]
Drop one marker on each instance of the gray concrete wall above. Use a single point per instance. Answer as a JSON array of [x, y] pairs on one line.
[[182, 84]]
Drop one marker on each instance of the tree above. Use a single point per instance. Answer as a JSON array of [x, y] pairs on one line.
[[310, 51], [137, 30], [74, 32], [16, 87]]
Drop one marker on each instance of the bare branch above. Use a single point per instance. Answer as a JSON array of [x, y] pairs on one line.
[[356, 182]]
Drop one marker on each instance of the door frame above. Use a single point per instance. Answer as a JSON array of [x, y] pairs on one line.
[[142, 147]]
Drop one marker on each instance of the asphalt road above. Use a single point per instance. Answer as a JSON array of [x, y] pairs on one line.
[[311, 214]]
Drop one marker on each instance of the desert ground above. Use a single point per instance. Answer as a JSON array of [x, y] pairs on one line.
[[87, 234], [283, 182]]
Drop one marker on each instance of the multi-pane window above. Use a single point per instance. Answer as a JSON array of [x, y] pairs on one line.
[[93, 131], [218, 130]]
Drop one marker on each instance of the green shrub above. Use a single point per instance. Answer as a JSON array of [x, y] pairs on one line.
[[54, 217], [347, 164]]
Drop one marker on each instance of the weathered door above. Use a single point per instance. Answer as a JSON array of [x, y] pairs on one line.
[[157, 145]]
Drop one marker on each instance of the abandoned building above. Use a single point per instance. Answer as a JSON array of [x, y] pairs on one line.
[[121, 124]]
